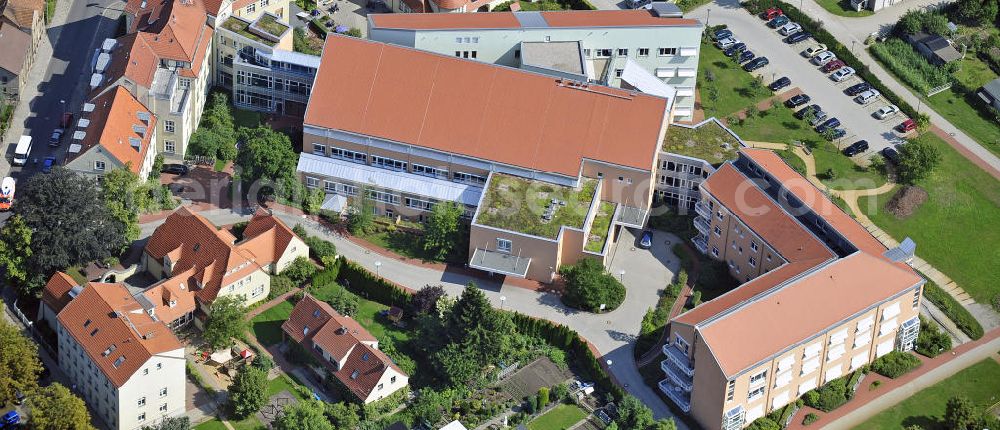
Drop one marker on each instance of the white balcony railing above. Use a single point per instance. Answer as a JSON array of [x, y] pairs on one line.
[[702, 209], [680, 397], [702, 225], [679, 358], [701, 244], [679, 378]]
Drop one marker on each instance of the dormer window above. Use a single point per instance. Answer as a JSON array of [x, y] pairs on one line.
[[355, 374], [305, 331]]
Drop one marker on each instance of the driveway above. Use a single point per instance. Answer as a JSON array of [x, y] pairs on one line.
[[787, 60]]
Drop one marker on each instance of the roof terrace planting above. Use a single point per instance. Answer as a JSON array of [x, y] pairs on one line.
[[242, 28], [534, 207], [599, 228], [709, 141]]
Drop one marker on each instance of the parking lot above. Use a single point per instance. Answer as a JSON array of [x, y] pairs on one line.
[[788, 60]]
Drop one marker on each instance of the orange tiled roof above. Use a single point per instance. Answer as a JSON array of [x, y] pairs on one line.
[[56, 292], [172, 297], [508, 20], [363, 369], [110, 325], [115, 125], [267, 237], [467, 107]]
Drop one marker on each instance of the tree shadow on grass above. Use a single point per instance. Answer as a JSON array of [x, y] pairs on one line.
[[791, 125], [721, 64], [923, 421]]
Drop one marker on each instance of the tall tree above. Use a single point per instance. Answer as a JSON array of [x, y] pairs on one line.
[[56, 408], [960, 413], [266, 155], [917, 159], [119, 188], [361, 212], [589, 285], [248, 392], [171, 423], [305, 415], [441, 228], [71, 225], [226, 321], [19, 365], [977, 12], [633, 414], [343, 415], [15, 250], [426, 298]]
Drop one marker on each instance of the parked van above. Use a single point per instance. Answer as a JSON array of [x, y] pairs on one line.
[[22, 150]]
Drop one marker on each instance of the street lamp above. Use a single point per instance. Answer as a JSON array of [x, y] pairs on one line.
[[378, 265], [502, 300], [708, 18], [621, 275]]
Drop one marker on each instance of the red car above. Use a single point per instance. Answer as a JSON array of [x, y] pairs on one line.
[[906, 126], [772, 13], [833, 65], [67, 119]]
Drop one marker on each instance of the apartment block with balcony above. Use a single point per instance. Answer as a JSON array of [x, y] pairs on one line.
[[821, 297], [688, 155], [533, 193], [588, 46]]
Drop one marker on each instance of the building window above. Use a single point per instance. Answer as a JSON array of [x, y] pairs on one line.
[[504, 245], [252, 8], [312, 182], [145, 372], [418, 204], [163, 407], [667, 51], [731, 391], [622, 52], [319, 149], [753, 246], [470, 178], [433, 172], [756, 393], [388, 163], [159, 366], [99, 166], [163, 392], [330, 187], [768, 257], [458, 53], [346, 154], [618, 72], [142, 402], [142, 417], [643, 52], [380, 386], [168, 126], [718, 214], [392, 380], [758, 378], [384, 197], [603, 53], [916, 297], [169, 146], [718, 231], [715, 251], [586, 53], [517, 53], [753, 262]]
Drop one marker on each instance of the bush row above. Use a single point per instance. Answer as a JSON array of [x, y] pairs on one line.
[[906, 63], [757, 7], [360, 281], [954, 310], [895, 364]]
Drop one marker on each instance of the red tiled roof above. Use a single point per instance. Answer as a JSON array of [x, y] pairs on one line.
[[467, 107], [363, 369], [22, 12], [267, 237], [56, 292], [106, 318], [508, 20], [307, 313], [174, 290], [113, 125]]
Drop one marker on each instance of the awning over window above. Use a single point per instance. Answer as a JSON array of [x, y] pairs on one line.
[[500, 262]]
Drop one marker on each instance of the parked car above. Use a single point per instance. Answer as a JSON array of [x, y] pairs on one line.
[[782, 82], [47, 164], [806, 110], [856, 148], [756, 63], [176, 169], [789, 28], [856, 89], [67, 120], [727, 42], [818, 118], [837, 134], [797, 100], [772, 13], [867, 96], [842, 74], [906, 126], [833, 65], [890, 154], [828, 124], [722, 34], [10, 419], [823, 58], [735, 49], [886, 111], [646, 240], [746, 56], [637, 4], [814, 50], [56, 137], [798, 37], [778, 21]]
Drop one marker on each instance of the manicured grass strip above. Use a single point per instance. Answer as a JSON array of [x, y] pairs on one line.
[[927, 407], [956, 229], [211, 425], [561, 417], [843, 8], [953, 310], [267, 326], [733, 85]]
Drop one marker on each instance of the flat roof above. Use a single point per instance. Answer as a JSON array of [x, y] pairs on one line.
[[559, 56], [534, 207], [532, 19], [480, 110]]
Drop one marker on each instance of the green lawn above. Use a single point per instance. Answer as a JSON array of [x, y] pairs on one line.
[[275, 386], [843, 8], [956, 229], [267, 326], [779, 126], [957, 104], [926, 408], [559, 418], [733, 84], [246, 118], [214, 424]]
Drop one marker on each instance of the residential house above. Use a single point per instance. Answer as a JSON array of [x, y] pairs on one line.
[[935, 48], [123, 361], [821, 297], [990, 93], [373, 127], [589, 46], [15, 60], [348, 351], [114, 131]]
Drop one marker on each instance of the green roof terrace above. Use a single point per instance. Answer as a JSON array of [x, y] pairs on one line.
[[534, 207], [709, 141], [267, 29]]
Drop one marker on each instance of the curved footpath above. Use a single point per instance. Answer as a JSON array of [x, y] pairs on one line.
[[613, 334]]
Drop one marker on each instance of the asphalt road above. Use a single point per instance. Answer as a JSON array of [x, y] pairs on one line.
[[787, 60]]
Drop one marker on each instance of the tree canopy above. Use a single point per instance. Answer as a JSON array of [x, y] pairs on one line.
[[426, 298], [266, 155], [441, 228], [305, 415], [343, 415], [19, 365], [361, 212], [977, 12], [15, 250], [248, 392], [216, 136], [960, 413], [71, 225], [56, 408], [588, 286], [171, 423], [225, 322], [119, 187], [917, 160]]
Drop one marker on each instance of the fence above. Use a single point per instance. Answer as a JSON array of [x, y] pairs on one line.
[[936, 90], [506, 371]]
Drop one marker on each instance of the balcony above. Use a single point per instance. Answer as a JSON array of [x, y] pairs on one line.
[[680, 397], [679, 358], [702, 225], [702, 209], [676, 375], [701, 243]]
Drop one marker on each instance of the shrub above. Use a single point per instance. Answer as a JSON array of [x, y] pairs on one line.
[[319, 248], [263, 362], [874, 385], [543, 397], [931, 341], [906, 63], [764, 423], [588, 286], [895, 364], [299, 271], [372, 287], [810, 418], [828, 397], [280, 285], [955, 311], [559, 392]]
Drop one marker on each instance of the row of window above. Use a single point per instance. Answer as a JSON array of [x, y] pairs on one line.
[[671, 181], [624, 52], [394, 164], [671, 166]]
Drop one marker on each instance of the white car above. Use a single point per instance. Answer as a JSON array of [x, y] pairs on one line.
[[815, 50], [823, 57], [789, 28], [886, 111], [727, 42], [843, 73], [867, 96]]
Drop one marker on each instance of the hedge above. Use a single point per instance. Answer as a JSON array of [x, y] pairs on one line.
[[360, 281], [895, 364], [953, 310], [757, 7]]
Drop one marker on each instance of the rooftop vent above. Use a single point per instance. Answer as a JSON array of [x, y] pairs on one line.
[[148, 336], [173, 303], [86, 323], [316, 313], [355, 373], [142, 5], [75, 291]]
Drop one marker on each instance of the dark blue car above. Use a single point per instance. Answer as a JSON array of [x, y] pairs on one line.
[[47, 164], [10, 419], [830, 123], [746, 56]]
